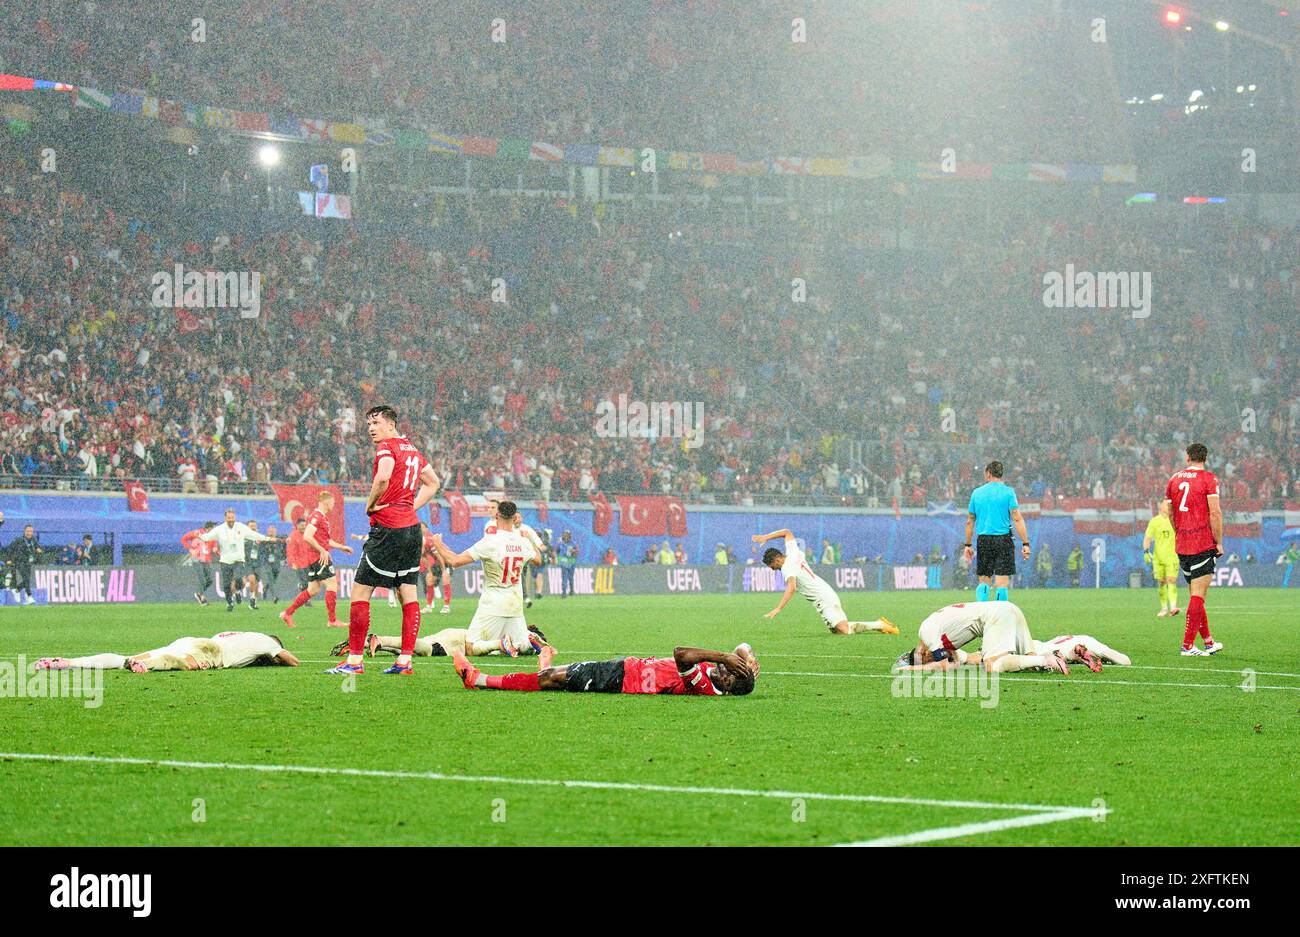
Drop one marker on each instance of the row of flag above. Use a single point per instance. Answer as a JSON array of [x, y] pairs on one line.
[[175, 113]]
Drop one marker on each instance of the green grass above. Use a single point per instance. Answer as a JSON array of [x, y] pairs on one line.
[[1175, 764]]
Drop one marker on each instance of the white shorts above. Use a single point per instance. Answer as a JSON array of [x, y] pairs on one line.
[[828, 606], [1006, 632], [486, 627], [201, 649]]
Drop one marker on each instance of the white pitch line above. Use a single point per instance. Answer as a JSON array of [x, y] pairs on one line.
[[531, 782], [975, 829]]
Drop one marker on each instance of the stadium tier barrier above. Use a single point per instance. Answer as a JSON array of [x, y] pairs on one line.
[[879, 550]]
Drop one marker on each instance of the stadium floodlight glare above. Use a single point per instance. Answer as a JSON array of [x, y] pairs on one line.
[[268, 156], [1157, 97], [1250, 87], [1173, 16], [1240, 88], [1196, 95], [1221, 26]]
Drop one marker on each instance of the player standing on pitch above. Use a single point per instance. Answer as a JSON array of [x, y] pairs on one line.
[[1158, 553], [1198, 535], [403, 482], [992, 510]]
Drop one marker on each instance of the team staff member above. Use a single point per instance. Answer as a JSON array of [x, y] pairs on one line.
[[1198, 539], [993, 509], [23, 553], [230, 538]]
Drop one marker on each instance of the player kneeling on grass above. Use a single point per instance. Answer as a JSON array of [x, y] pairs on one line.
[[799, 575], [498, 623], [228, 650], [443, 643], [691, 671], [1007, 644]]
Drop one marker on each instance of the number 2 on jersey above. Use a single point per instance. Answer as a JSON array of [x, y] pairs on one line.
[[1184, 487]]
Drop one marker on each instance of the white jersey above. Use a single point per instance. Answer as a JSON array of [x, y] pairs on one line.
[[245, 648], [230, 540], [961, 623], [807, 583], [503, 555], [524, 531]]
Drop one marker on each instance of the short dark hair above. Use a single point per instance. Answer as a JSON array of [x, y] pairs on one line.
[[506, 509], [208, 525], [1197, 452], [994, 468], [770, 554], [384, 410], [741, 685]]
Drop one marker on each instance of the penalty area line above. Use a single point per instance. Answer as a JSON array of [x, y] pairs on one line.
[[535, 782], [976, 829]]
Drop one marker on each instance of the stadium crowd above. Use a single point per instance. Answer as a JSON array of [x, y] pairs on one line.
[[902, 372]]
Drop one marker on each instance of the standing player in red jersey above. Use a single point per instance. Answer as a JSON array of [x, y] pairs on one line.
[[691, 671], [403, 483], [318, 537], [1198, 539]]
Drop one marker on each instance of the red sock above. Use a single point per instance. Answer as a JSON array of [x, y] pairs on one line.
[[446, 592], [525, 682], [410, 627], [428, 595], [1195, 620], [303, 597], [1203, 620], [358, 626], [331, 604]]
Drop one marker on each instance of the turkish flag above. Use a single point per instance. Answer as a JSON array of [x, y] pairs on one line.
[[601, 518], [300, 500], [459, 512], [676, 517], [435, 512], [137, 499], [642, 515], [543, 512]]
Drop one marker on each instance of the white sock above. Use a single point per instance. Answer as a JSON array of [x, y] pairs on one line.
[[354, 659], [105, 661], [1010, 663], [862, 627]]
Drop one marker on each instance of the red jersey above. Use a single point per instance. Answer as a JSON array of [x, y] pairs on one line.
[[323, 535], [299, 554], [201, 550], [396, 507], [1190, 491], [660, 675]]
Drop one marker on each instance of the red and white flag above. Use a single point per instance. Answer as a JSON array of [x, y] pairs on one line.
[[601, 517], [543, 512], [1104, 517], [1245, 519], [459, 512], [676, 517], [300, 500], [642, 515], [1291, 516], [137, 499]]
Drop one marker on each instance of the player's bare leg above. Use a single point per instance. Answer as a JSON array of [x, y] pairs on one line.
[[101, 661], [877, 626], [1012, 663]]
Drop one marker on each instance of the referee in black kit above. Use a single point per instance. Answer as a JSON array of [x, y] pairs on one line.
[[992, 510]]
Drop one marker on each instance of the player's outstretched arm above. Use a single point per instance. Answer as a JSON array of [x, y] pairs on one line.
[[334, 544], [285, 659], [785, 598], [688, 657], [449, 557], [781, 534]]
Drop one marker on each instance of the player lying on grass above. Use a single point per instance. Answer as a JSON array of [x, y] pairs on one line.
[[1083, 649], [691, 671], [1007, 645], [443, 643], [799, 576], [498, 622], [228, 650]]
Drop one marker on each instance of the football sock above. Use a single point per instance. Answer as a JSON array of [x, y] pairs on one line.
[[358, 627], [982, 592], [1010, 663], [1171, 589], [862, 627], [410, 629], [1195, 618], [331, 604], [106, 661], [526, 682], [1001, 594], [446, 593], [298, 602], [428, 595]]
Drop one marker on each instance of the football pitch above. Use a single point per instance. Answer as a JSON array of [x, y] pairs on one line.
[[829, 749]]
